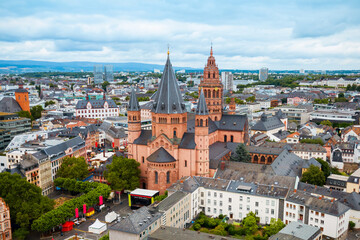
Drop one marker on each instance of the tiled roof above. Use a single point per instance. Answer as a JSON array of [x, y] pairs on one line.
[[267, 123], [9, 105], [95, 104]]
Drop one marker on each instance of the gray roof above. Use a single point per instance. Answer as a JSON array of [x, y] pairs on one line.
[[308, 147], [168, 97], [297, 231], [201, 107], [21, 90], [10, 105], [169, 202], [287, 164], [232, 122], [137, 222], [133, 103], [161, 156], [267, 123], [148, 105], [217, 150], [145, 135], [281, 134], [335, 208], [188, 141], [95, 103]]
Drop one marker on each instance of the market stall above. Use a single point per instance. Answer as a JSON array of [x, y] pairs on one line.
[[90, 212], [110, 217], [67, 226]]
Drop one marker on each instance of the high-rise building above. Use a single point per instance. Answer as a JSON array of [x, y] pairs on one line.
[[98, 74], [302, 71], [5, 224], [109, 73], [263, 74], [227, 80]]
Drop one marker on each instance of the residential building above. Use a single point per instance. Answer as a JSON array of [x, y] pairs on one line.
[[331, 216], [298, 231], [263, 74], [96, 109], [270, 124], [5, 223], [296, 101], [11, 125], [307, 151], [296, 113], [227, 79]]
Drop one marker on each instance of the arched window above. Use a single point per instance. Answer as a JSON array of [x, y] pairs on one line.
[[156, 177], [175, 133], [201, 122], [209, 93], [256, 159], [225, 138], [168, 177], [231, 138], [206, 122], [213, 94], [208, 75], [262, 159], [215, 118], [185, 163], [269, 159], [197, 122], [217, 94], [213, 75], [143, 159]]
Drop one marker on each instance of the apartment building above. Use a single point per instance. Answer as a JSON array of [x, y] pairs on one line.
[[307, 151], [331, 216]]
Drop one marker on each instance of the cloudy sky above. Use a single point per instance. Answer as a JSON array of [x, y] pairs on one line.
[[246, 34]]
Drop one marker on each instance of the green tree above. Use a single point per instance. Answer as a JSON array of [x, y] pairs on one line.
[[351, 225], [326, 122], [25, 201], [312, 141], [25, 114], [105, 237], [36, 111], [74, 168], [104, 85], [161, 197], [123, 173], [275, 226], [47, 103], [241, 154], [250, 223], [314, 176], [324, 167], [250, 99]]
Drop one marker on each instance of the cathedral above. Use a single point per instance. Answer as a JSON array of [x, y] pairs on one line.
[[181, 143]]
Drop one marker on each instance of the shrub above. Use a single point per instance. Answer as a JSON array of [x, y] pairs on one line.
[[351, 225], [196, 226]]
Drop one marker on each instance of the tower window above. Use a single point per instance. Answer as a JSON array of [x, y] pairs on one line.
[[208, 75], [168, 177], [174, 132], [225, 138], [201, 122], [185, 163], [143, 159], [156, 177], [231, 138]]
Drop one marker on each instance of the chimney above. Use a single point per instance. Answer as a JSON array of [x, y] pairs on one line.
[[222, 166], [345, 200], [320, 197], [294, 190], [304, 189], [315, 186]]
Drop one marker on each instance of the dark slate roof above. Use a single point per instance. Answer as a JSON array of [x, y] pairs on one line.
[[95, 103], [287, 164], [267, 123], [161, 156], [201, 107], [133, 103], [145, 135], [337, 156], [148, 105], [137, 222], [232, 122], [188, 141], [21, 90], [170, 201], [216, 152], [168, 97], [10, 105], [281, 134]]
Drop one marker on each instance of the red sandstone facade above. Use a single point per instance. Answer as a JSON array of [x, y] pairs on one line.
[[5, 224], [176, 146]]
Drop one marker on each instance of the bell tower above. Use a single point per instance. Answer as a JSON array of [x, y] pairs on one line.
[[134, 121], [213, 88], [202, 137]]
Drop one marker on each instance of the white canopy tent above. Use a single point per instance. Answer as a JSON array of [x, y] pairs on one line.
[[97, 227], [110, 217]]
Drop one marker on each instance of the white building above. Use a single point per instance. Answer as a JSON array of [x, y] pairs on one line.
[[96, 109], [227, 79]]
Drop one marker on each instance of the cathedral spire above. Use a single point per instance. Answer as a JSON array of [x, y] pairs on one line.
[[133, 103], [211, 50], [201, 107], [168, 98]]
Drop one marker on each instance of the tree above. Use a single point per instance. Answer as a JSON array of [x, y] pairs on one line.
[[74, 168], [48, 103], [36, 111], [123, 173], [104, 85], [250, 224], [25, 201], [326, 122], [250, 99], [351, 225], [241, 154], [275, 226], [324, 167], [314, 176], [161, 197], [25, 114], [312, 141]]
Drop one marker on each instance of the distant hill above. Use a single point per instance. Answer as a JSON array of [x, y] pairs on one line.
[[22, 66]]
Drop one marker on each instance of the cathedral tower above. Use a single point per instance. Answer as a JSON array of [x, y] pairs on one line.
[[134, 121], [169, 116], [202, 137], [213, 88]]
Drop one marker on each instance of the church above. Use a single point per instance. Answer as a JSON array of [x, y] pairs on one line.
[[181, 143]]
